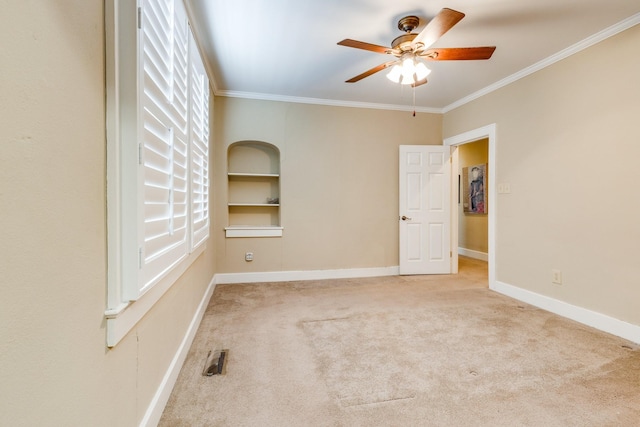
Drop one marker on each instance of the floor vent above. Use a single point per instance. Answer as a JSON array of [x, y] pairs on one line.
[[216, 363]]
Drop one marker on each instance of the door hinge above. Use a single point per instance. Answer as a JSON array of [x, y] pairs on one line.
[[139, 18], [140, 258], [139, 153], [450, 254]]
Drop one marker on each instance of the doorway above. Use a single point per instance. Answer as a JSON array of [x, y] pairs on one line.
[[487, 132], [473, 163]]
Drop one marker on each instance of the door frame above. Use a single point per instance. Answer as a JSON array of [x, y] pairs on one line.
[[488, 132]]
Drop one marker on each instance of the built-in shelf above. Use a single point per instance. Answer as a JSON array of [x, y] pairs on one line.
[[253, 182]]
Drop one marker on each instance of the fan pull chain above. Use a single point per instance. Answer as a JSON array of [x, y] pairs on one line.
[[414, 101]]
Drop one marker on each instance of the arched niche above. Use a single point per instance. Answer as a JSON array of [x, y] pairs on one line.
[[253, 170], [253, 157]]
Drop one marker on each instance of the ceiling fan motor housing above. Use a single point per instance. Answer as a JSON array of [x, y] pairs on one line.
[[408, 23]]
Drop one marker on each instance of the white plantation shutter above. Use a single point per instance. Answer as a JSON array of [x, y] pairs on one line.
[[164, 234], [199, 107]]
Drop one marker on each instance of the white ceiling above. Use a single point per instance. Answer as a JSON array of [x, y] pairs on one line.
[[286, 49]]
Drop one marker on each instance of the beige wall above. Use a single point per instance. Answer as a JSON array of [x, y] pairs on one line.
[[54, 366], [473, 228], [339, 183], [568, 145]]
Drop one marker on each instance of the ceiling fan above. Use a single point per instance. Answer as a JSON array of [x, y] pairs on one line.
[[409, 47]]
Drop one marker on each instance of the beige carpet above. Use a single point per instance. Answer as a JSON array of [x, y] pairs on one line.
[[401, 351]]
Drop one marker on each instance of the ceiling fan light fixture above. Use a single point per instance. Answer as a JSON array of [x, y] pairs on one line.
[[411, 71]]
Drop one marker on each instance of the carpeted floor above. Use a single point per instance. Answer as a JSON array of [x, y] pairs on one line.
[[401, 351]]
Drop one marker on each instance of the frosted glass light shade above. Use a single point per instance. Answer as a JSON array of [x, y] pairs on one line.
[[422, 71], [408, 70], [395, 73]]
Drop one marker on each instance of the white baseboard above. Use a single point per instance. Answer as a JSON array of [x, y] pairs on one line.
[[156, 407], [288, 276], [483, 256], [587, 317]]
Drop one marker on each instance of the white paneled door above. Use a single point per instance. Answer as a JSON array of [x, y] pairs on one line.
[[425, 205]]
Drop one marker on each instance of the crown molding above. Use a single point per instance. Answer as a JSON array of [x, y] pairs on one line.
[[319, 101], [565, 53]]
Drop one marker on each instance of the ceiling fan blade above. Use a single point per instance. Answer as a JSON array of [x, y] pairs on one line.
[[366, 46], [419, 83], [439, 25], [371, 71], [458, 53]]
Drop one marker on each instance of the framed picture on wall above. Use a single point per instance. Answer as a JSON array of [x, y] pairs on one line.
[[474, 179]]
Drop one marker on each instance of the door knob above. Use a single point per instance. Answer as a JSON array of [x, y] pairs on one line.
[[405, 218]]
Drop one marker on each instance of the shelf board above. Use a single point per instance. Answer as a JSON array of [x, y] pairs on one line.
[[253, 231], [256, 204], [257, 175]]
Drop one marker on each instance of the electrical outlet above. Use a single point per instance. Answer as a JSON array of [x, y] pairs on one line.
[[556, 277], [248, 256]]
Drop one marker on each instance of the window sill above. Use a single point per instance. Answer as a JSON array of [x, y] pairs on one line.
[[122, 319]]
